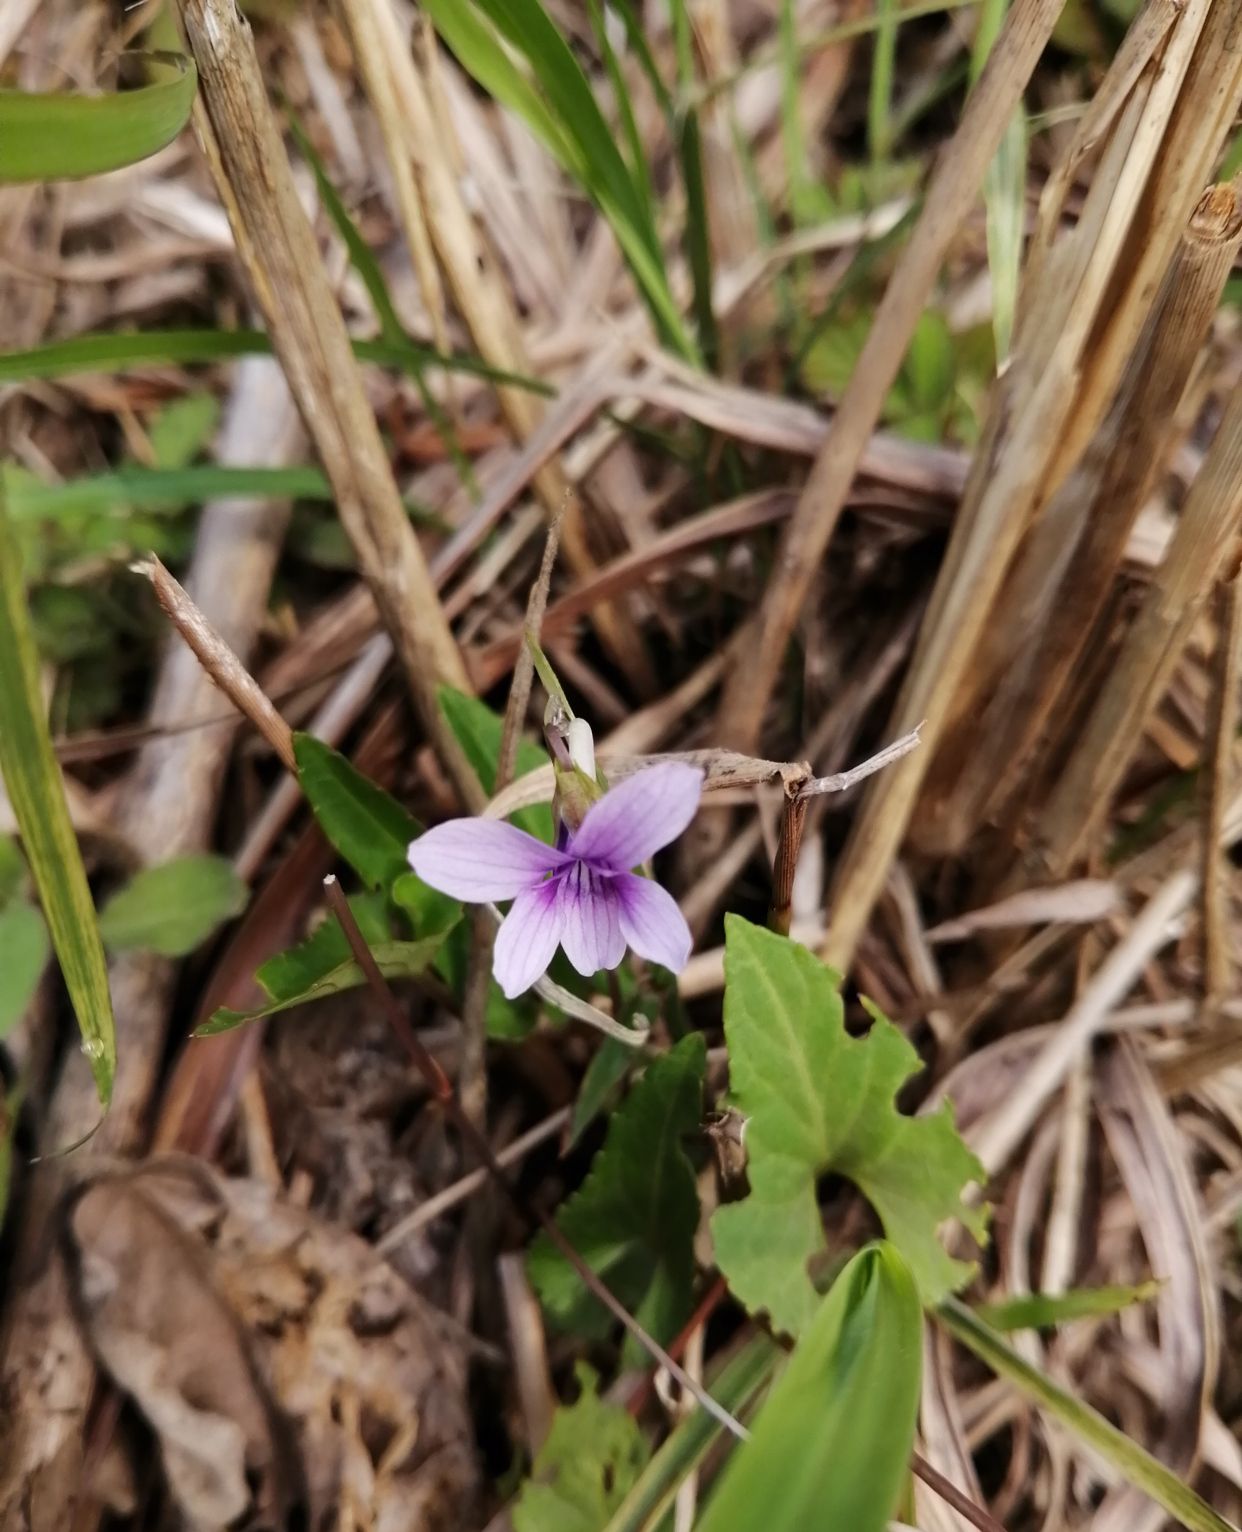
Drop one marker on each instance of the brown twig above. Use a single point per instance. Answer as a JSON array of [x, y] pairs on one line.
[[785, 862], [1218, 778], [219, 661], [441, 1088], [951, 1495]]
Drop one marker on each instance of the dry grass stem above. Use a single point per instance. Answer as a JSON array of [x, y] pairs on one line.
[[219, 661], [1218, 779], [278, 249]]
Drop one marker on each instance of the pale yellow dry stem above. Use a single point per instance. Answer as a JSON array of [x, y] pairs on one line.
[[1218, 777], [954, 188], [1206, 535], [1006, 710], [376, 76], [1039, 406], [278, 249]]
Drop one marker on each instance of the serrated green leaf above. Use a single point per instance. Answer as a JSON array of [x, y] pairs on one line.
[[831, 1446], [1040, 1311], [366, 825], [396, 960], [171, 908], [64, 135], [294, 972], [592, 1456], [117, 350], [479, 732], [23, 955], [37, 793], [633, 1219], [817, 1101]]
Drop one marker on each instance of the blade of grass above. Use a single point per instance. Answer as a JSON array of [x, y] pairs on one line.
[[169, 489], [48, 137], [114, 350], [880, 93], [37, 793], [1134, 1463], [697, 235]]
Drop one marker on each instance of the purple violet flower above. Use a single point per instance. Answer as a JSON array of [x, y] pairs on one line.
[[583, 897]]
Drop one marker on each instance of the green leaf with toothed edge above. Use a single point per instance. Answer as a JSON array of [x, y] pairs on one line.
[[366, 825], [817, 1101], [593, 1454], [633, 1219]]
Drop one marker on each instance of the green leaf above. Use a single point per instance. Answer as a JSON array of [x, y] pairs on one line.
[[396, 960], [1040, 1311], [294, 972], [65, 134], [12, 870], [820, 1101], [37, 793], [366, 825], [172, 908], [633, 1219], [1134, 1463], [23, 954], [593, 1454], [930, 366], [601, 1082], [479, 732], [115, 350], [183, 428], [831, 1446]]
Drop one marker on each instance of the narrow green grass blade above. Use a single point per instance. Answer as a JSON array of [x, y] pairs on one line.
[[168, 489], [697, 238], [66, 135], [567, 118], [880, 135], [115, 350], [1004, 191], [688, 1444], [37, 793], [1039, 1311], [1134, 1463]]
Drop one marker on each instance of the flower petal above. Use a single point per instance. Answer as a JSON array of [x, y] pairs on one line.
[[587, 910], [651, 922], [638, 816], [526, 941], [482, 859]]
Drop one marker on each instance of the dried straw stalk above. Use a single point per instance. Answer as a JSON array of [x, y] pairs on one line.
[[1011, 706], [277, 246], [1207, 534], [1092, 286]]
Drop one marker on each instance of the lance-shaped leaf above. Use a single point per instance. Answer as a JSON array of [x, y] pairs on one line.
[[831, 1446], [37, 792], [817, 1101], [634, 1217], [67, 134]]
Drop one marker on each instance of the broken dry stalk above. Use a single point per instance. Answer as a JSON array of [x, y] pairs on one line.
[[219, 661], [441, 1088], [1206, 535], [1218, 778], [278, 249]]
